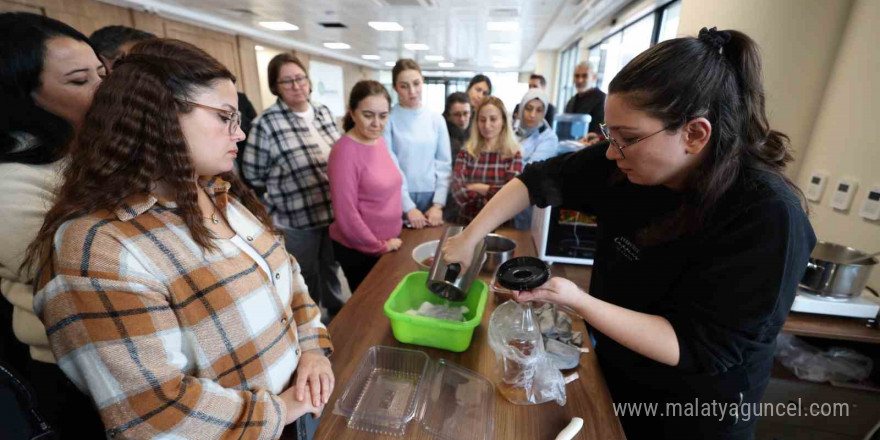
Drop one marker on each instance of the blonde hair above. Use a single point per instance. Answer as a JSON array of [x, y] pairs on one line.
[[506, 145]]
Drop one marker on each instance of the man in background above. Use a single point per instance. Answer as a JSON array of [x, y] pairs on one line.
[[113, 42], [588, 100], [538, 82]]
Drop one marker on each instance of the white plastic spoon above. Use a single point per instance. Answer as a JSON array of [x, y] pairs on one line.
[[573, 428]]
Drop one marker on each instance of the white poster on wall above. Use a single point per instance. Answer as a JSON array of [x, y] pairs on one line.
[[327, 86]]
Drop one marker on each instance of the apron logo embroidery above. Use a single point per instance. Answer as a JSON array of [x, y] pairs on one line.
[[627, 249]]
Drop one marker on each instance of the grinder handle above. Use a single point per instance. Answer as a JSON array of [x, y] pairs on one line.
[[452, 272]]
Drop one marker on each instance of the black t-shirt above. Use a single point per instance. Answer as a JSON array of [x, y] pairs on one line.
[[591, 102], [726, 289]]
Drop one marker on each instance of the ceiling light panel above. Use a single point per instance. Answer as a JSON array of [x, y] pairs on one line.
[[279, 25], [386, 26], [502, 26]]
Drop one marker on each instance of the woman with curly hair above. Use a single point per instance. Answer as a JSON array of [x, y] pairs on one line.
[[167, 295]]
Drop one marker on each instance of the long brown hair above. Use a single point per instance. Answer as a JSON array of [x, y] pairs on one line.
[[131, 139], [507, 144], [717, 76]]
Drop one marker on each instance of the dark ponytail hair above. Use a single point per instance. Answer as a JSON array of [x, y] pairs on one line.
[[480, 78], [23, 39], [362, 90], [716, 76]]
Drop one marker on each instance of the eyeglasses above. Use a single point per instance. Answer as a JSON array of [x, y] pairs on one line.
[[233, 120], [607, 133], [289, 82]]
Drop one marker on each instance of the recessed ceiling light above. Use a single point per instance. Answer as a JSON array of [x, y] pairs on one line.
[[279, 25], [370, 57], [501, 60], [503, 26], [416, 46], [258, 47], [500, 46], [445, 64], [386, 26], [390, 63], [433, 58], [336, 45]]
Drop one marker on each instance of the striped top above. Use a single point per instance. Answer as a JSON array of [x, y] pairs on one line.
[[169, 339]]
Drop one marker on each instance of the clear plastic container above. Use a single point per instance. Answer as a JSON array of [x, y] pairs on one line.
[[382, 396], [459, 404], [392, 385]]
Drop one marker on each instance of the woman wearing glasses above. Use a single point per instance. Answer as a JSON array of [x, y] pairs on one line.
[[166, 294], [285, 160], [702, 237]]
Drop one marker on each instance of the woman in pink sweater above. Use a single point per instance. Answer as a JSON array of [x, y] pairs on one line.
[[365, 185]]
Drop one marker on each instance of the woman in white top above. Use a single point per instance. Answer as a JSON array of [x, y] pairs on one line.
[[419, 142]]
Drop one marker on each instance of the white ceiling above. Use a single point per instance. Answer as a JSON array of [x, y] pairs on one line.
[[454, 29]]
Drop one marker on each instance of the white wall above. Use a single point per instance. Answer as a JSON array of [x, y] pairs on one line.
[[799, 40], [846, 138], [545, 64]]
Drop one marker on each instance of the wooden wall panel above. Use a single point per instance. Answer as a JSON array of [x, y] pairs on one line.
[[13, 6], [224, 47], [147, 22], [250, 77], [88, 16]]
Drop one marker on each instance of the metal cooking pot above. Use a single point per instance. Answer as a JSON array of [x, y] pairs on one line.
[[498, 250], [826, 276]]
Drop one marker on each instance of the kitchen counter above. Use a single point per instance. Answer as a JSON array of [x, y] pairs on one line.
[[362, 324]]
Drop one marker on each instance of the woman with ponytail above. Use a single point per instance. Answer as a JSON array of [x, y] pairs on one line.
[[166, 292], [702, 238], [365, 185]]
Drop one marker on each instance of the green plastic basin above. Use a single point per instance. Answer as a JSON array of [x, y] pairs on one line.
[[432, 332]]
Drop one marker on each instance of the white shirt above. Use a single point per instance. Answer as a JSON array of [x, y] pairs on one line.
[[309, 117]]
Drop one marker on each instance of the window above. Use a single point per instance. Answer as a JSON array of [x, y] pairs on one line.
[[669, 22], [565, 80], [613, 52]]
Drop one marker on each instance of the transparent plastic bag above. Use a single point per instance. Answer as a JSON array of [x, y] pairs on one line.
[[809, 363], [526, 375]]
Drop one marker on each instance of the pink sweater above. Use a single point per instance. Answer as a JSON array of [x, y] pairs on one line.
[[365, 187]]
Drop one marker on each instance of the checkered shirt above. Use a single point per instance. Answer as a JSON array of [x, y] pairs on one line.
[[281, 156], [168, 340], [489, 168]]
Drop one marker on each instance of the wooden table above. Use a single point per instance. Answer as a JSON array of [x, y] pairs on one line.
[[830, 327], [362, 324]]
